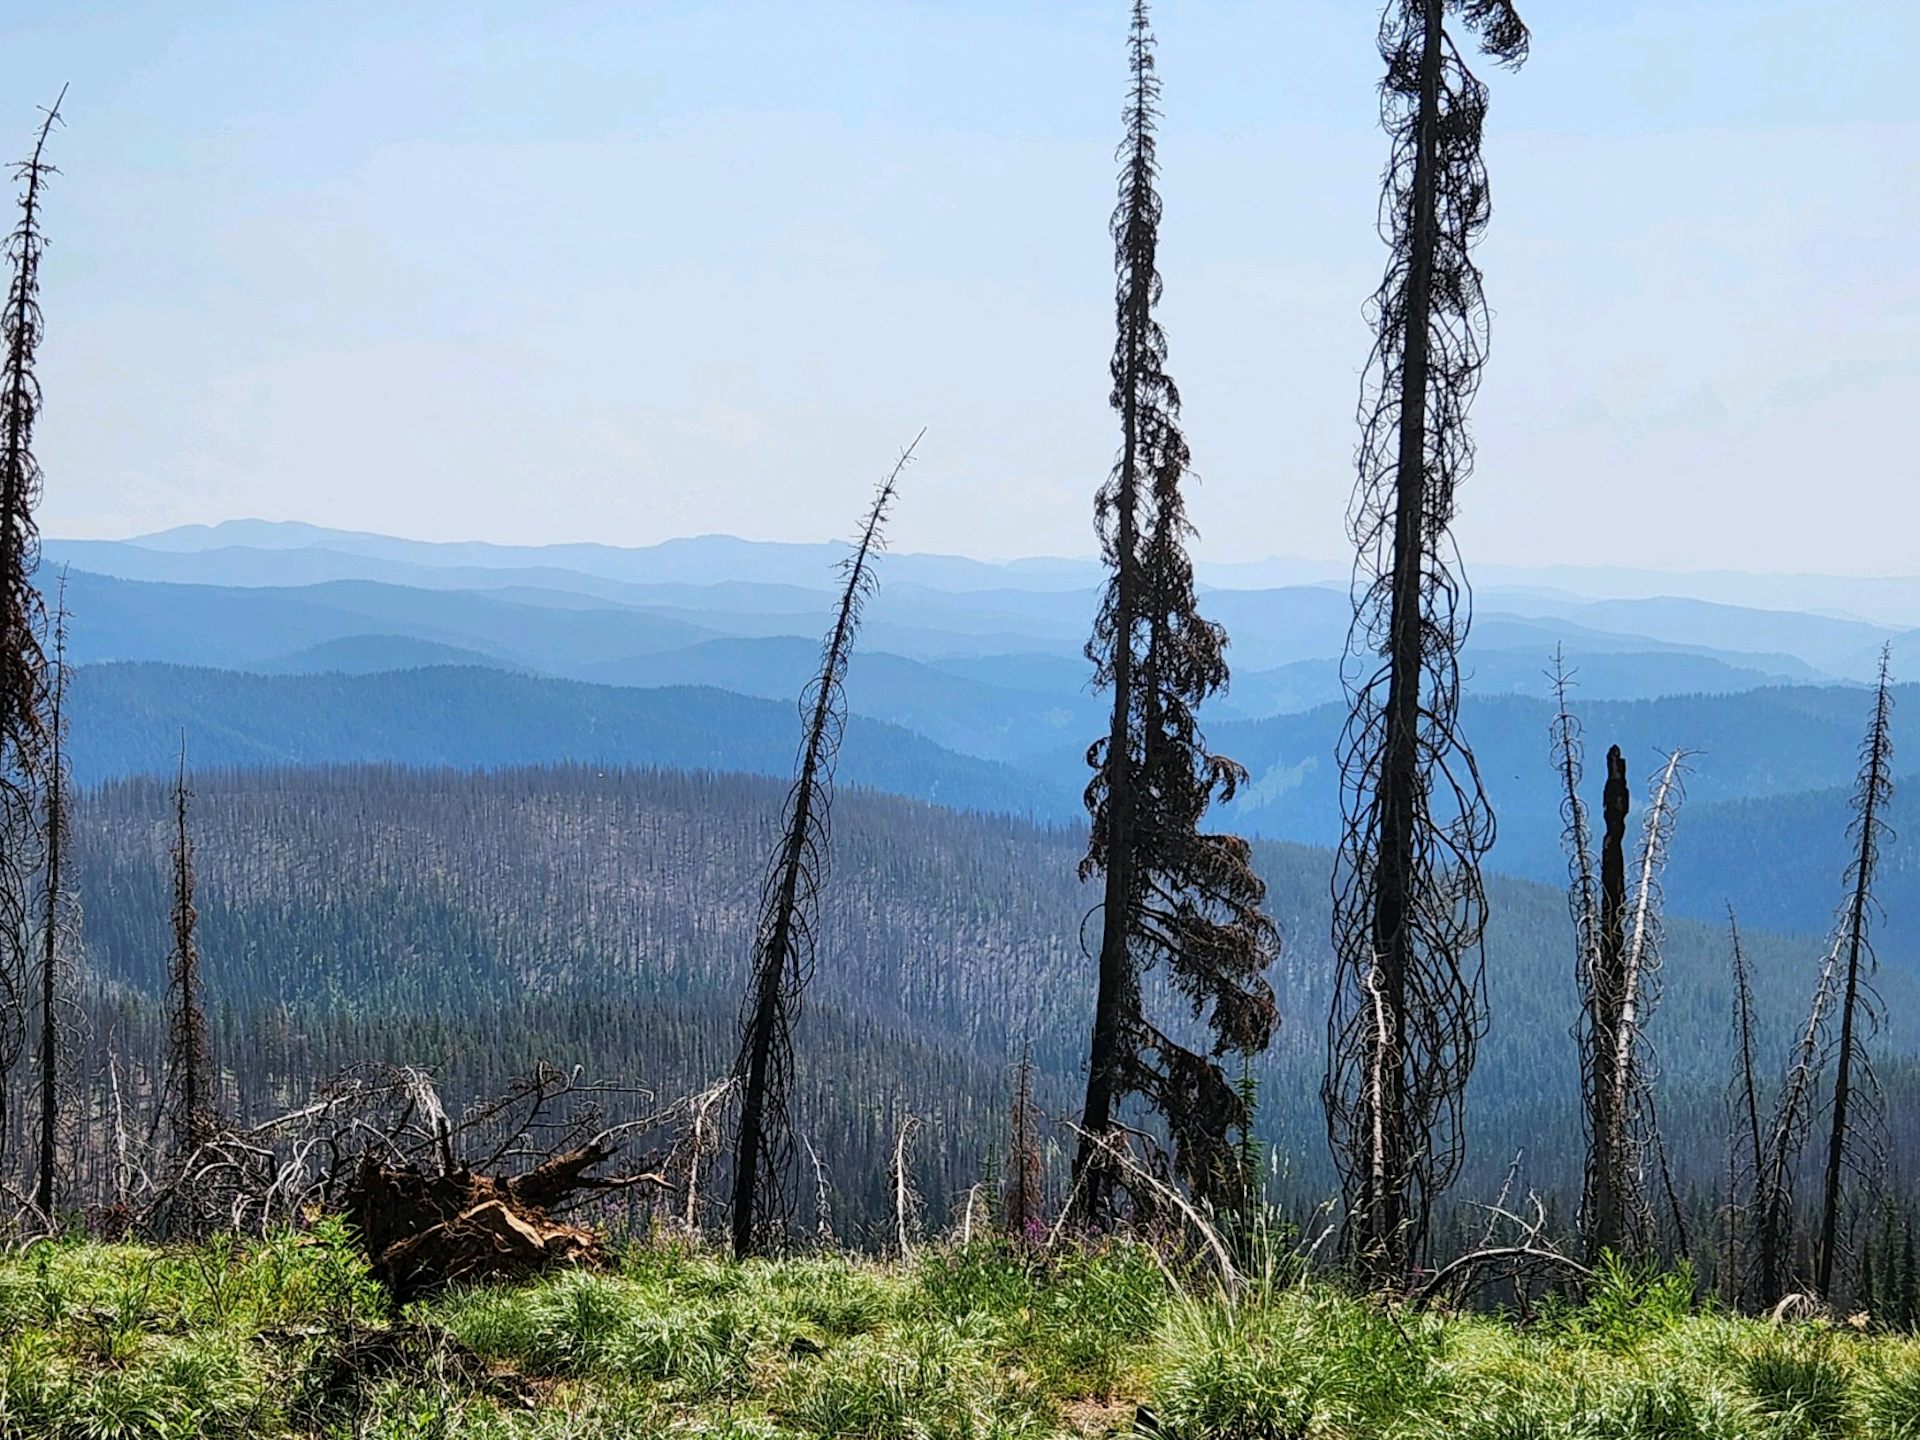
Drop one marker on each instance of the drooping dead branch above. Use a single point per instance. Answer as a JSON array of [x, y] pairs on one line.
[[783, 949], [906, 1204], [1524, 1253], [822, 1201], [1409, 908], [1142, 1176], [702, 1140]]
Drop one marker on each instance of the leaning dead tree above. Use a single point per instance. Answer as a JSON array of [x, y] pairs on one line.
[[189, 1058], [56, 908], [1629, 1070], [1786, 1137], [1409, 911], [783, 945], [1172, 895], [22, 616], [1856, 1132]]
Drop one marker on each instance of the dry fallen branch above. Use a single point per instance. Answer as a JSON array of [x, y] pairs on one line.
[[1130, 1168], [1529, 1254]]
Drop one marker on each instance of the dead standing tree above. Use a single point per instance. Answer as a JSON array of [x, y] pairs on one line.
[[1023, 1199], [1409, 909], [55, 924], [783, 947], [189, 1058], [1598, 905], [1743, 1121], [22, 616], [1844, 990], [1170, 894], [1616, 967], [1855, 1139]]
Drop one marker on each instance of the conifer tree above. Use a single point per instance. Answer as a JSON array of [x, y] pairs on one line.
[[783, 947], [1171, 895], [1745, 1148], [22, 617], [53, 916], [1410, 910], [1843, 996], [1855, 1114], [1023, 1200], [189, 1059]]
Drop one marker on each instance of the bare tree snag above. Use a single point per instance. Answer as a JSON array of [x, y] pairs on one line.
[[189, 1059], [1409, 909], [22, 615], [1743, 1118], [53, 917], [1854, 1138], [783, 949], [1023, 1200]]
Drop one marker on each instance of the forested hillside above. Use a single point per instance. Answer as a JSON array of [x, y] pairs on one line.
[[1762, 772], [601, 918]]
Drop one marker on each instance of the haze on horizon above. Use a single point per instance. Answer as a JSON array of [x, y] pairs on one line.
[[623, 273]]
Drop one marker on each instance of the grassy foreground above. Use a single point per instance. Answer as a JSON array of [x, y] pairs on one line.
[[288, 1337]]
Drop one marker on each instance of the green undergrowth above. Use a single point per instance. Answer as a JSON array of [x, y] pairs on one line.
[[289, 1338]]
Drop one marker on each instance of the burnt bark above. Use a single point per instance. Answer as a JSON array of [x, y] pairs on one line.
[[1171, 893], [783, 940]]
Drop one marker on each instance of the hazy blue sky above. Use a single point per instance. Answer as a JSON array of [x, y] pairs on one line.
[[626, 271]]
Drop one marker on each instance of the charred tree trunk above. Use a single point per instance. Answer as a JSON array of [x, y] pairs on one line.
[[784, 939], [1744, 1108], [52, 918], [22, 616], [1023, 1202], [1859, 1005], [1116, 997], [1607, 1200], [190, 1060], [1409, 909], [1169, 892]]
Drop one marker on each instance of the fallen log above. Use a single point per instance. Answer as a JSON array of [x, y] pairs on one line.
[[424, 1232]]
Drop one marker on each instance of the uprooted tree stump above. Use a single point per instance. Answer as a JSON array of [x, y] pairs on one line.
[[424, 1231]]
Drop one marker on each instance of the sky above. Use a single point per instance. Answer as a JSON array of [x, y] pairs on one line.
[[624, 272]]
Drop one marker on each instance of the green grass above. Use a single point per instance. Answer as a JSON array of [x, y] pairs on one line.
[[289, 1338]]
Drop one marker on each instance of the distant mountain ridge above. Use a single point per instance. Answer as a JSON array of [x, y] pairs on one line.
[[1890, 601], [129, 719], [968, 684]]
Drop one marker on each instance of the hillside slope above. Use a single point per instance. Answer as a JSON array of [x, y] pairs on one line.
[[132, 719], [603, 918]]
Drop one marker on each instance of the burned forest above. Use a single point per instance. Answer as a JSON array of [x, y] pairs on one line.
[[1258, 977]]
